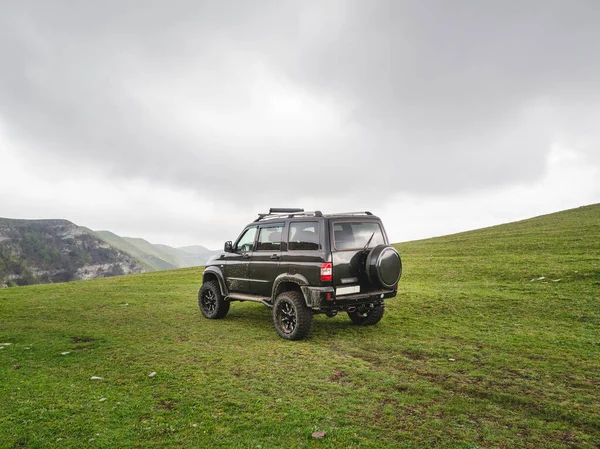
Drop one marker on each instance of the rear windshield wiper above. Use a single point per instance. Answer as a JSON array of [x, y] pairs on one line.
[[369, 241]]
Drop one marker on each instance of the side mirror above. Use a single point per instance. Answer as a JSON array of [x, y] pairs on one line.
[[228, 248]]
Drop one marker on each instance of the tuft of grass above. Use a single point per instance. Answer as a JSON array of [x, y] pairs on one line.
[[476, 351]]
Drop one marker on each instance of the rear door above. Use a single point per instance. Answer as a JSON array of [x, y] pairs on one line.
[[349, 238], [266, 257]]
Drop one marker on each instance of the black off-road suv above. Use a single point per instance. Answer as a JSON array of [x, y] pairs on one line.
[[301, 263]]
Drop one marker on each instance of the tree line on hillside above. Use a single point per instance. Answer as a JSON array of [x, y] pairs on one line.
[[31, 249]]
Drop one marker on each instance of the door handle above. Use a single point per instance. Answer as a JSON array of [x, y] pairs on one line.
[[275, 256], [246, 256]]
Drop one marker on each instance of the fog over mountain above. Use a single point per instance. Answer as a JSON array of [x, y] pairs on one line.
[[179, 121]]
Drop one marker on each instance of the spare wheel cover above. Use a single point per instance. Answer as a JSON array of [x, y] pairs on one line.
[[384, 266]]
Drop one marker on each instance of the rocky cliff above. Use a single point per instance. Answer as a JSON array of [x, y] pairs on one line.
[[44, 251]]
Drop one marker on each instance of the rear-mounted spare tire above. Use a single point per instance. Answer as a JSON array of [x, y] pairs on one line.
[[384, 266]]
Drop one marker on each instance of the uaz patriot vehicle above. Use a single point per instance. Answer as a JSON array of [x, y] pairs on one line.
[[301, 263]]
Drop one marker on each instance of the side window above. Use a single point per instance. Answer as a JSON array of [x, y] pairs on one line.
[[246, 240], [269, 238], [304, 236]]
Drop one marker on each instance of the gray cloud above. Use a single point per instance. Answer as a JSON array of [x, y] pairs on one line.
[[444, 96]]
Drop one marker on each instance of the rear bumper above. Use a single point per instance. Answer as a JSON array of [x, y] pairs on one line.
[[317, 297]]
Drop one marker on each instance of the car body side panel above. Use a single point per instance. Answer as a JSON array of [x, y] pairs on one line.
[[264, 267], [264, 264], [236, 272], [237, 264]]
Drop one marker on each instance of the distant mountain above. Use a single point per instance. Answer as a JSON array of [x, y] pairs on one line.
[[159, 257], [42, 251], [196, 254], [197, 250], [140, 249]]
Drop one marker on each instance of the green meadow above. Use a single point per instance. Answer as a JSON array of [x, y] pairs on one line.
[[493, 341]]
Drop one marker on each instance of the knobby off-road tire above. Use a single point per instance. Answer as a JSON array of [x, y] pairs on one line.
[[367, 317], [212, 304], [291, 317]]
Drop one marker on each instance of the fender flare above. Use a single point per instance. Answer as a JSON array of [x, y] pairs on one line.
[[212, 270], [298, 279]]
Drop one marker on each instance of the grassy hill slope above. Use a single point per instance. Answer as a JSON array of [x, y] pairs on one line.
[[153, 250], [158, 257], [493, 341], [151, 260]]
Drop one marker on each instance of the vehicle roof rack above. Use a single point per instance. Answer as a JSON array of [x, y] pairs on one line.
[[282, 212], [349, 214]]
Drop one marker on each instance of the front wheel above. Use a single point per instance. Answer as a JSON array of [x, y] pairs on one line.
[[212, 304], [291, 317], [367, 315]]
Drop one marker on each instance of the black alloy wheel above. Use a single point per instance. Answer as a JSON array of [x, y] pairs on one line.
[[211, 302], [287, 317], [291, 317]]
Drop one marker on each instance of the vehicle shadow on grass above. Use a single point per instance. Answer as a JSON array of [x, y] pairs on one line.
[[255, 317]]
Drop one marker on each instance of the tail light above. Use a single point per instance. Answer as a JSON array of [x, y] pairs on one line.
[[326, 271], [396, 287]]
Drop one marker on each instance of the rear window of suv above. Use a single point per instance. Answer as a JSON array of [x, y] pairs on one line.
[[356, 234]]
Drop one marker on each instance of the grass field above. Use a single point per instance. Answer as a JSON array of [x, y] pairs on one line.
[[478, 350]]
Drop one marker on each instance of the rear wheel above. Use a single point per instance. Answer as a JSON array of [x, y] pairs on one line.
[[367, 315], [291, 317], [212, 304]]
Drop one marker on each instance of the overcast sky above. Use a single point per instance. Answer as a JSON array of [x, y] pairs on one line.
[[179, 121]]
